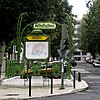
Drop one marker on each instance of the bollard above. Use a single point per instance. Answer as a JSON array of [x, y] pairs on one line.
[[0, 81], [51, 84], [74, 80], [30, 85], [79, 76]]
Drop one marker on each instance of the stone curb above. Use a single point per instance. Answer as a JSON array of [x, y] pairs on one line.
[[71, 92]]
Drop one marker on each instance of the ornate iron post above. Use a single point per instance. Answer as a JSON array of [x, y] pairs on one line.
[[70, 46], [19, 34]]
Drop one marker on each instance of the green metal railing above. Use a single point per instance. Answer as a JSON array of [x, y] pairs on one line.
[[13, 68]]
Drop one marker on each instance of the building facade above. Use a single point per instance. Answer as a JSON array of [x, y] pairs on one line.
[[78, 55]]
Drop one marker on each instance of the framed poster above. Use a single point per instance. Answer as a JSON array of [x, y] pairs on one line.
[[37, 50]]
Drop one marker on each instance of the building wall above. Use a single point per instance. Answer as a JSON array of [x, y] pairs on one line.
[[81, 55], [78, 55]]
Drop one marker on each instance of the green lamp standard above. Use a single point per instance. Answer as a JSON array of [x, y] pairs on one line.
[[66, 49], [70, 30], [19, 34]]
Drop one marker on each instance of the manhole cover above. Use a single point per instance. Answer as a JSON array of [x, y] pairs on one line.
[[12, 94]]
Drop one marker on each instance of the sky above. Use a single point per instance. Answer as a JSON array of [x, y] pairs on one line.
[[79, 7]]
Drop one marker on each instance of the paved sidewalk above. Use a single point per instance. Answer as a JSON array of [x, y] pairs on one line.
[[19, 92]]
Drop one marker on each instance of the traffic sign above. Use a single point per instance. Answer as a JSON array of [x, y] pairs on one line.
[[37, 37], [63, 53], [44, 25]]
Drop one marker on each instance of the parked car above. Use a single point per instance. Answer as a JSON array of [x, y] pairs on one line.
[[89, 60], [96, 63]]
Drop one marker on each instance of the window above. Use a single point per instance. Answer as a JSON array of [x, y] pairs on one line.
[[76, 53]]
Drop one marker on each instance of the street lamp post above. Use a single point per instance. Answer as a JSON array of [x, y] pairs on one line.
[[19, 34], [64, 52], [70, 46]]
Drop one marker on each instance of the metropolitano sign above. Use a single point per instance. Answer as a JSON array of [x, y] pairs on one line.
[[44, 25]]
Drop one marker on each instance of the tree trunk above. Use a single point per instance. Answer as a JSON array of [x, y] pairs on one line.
[[2, 51]]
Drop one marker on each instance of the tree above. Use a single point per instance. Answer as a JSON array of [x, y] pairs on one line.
[[38, 10], [91, 29]]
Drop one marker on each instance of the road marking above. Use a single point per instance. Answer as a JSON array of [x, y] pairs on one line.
[[80, 70], [96, 77], [89, 90]]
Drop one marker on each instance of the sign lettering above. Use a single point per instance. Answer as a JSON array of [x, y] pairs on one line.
[[41, 25], [37, 37]]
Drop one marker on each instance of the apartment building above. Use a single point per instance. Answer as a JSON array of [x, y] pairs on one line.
[[78, 55]]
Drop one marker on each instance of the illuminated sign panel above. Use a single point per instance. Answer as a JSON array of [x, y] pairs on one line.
[[44, 25], [37, 37]]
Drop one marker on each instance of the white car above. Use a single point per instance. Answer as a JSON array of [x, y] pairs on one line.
[[96, 63]]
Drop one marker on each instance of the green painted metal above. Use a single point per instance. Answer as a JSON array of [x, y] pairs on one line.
[[12, 68], [19, 39], [19, 33], [69, 18]]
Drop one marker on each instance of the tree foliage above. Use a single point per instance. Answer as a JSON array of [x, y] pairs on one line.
[[38, 10], [90, 29]]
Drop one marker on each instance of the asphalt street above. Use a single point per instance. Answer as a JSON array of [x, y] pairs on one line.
[[92, 76]]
